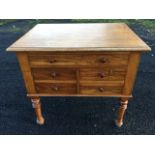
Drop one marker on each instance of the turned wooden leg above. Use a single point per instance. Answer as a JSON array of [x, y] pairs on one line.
[[121, 111], [37, 106]]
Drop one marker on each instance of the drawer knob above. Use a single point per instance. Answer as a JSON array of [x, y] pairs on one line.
[[101, 89], [102, 75], [103, 60], [52, 61], [53, 74], [55, 88]]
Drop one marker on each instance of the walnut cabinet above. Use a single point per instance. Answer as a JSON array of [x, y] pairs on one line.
[[79, 60]]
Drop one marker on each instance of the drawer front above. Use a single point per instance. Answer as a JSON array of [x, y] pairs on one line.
[[100, 90], [53, 74], [78, 60], [103, 74], [56, 88]]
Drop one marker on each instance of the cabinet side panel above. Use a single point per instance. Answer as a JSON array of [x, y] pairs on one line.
[[26, 72], [134, 59]]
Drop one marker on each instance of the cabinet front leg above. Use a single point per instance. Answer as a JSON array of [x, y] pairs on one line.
[[121, 111], [36, 104]]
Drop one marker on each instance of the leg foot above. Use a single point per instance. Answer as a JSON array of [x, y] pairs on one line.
[[37, 106], [41, 121], [121, 112], [118, 124]]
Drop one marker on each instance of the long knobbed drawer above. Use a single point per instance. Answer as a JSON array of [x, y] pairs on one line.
[[105, 59], [102, 89], [54, 74], [103, 74], [51, 88]]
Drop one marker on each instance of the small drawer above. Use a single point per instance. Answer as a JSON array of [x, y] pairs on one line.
[[76, 60], [103, 74], [55, 88], [100, 90], [53, 74], [48, 60]]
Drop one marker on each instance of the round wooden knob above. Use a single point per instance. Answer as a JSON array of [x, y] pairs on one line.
[[102, 75], [53, 74], [55, 88], [103, 60], [52, 61], [101, 89]]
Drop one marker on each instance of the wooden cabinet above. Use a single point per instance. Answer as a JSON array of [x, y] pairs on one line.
[[79, 60]]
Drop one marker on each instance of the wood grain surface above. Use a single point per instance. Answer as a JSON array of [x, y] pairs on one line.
[[77, 37]]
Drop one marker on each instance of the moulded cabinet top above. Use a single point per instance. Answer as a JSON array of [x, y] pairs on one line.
[[80, 37]]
